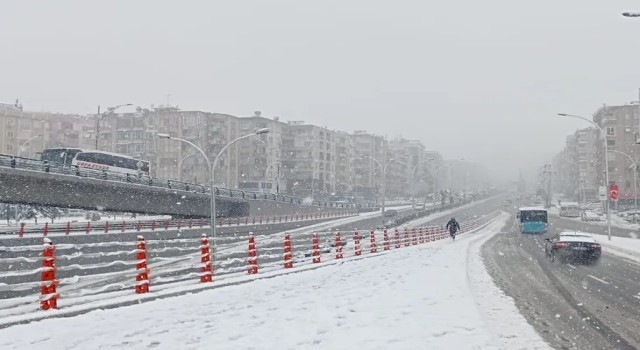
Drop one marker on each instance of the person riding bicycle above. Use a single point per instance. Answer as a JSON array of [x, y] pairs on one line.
[[453, 227]]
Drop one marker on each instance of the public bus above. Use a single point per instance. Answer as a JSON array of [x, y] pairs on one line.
[[97, 160], [532, 220]]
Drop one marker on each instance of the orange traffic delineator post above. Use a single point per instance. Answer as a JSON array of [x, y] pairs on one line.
[[49, 295], [316, 248], [106, 227], [421, 235], [397, 238], [385, 238], [338, 246], [288, 256], [414, 236], [142, 277], [356, 243], [407, 242], [374, 246], [46, 229], [123, 227], [21, 232], [206, 272], [88, 228], [253, 256], [153, 225], [67, 229]]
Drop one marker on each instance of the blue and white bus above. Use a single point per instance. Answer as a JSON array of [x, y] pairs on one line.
[[532, 220]]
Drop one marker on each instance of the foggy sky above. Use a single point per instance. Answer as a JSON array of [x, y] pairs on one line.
[[480, 80]]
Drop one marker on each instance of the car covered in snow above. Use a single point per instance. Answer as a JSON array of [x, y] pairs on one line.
[[573, 246]]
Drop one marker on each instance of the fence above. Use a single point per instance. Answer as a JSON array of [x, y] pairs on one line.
[[65, 275], [115, 226]]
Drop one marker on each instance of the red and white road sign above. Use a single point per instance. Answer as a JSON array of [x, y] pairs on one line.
[[613, 192]]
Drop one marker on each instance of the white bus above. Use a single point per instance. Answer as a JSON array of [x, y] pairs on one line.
[[97, 160], [570, 209]]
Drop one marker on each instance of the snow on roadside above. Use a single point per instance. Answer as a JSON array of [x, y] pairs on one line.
[[624, 247], [435, 296]]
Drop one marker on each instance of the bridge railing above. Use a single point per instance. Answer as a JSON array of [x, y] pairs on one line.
[[119, 226], [44, 166]]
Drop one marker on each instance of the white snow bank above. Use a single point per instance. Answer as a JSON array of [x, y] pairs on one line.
[[625, 247], [431, 296]]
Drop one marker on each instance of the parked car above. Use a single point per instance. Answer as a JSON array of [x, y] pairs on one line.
[[573, 246], [590, 216]]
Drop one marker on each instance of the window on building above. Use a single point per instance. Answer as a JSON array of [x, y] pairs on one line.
[[611, 143], [611, 131]]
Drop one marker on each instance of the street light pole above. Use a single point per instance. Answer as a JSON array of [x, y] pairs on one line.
[[384, 177], [109, 111], [212, 173], [413, 173], [635, 184], [180, 165], [606, 165], [27, 141]]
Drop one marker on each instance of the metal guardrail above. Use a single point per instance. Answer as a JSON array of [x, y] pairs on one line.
[[15, 162]]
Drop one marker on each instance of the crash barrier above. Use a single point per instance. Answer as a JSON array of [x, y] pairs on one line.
[[133, 225], [78, 274]]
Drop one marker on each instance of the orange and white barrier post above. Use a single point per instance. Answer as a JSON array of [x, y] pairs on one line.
[[338, 246], [407, 242], [88, 228], [253, 256], [288, 257], [385, 238], [142, 278], [372, 237], [21, 232], [316, 248], [67, 229], [49, 283], [414, 236], [397, 238], [421, 235], [46, 229], [356, 243], [206, 271]]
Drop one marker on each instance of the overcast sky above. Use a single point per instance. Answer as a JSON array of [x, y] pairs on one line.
[[475, 79]]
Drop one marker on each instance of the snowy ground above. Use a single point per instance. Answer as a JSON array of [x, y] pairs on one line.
[[616, 220], [625, 247], [431, 296]]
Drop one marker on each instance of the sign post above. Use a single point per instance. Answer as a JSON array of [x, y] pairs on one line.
[[602, 193]]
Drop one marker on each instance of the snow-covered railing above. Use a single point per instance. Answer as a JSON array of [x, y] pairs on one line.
[[121, 226], [80, 274]]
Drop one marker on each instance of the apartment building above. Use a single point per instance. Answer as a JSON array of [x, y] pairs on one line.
[[26, 133], [366, 174], [621, 126]]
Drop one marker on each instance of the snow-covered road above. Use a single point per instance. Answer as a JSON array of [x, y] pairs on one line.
[[432, 296]]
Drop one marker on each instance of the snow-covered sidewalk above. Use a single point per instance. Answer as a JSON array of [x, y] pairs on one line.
[[431, 296], [628, 248]]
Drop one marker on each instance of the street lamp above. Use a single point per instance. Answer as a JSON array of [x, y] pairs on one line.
[[434, 174], [180, 164], [606, 164], [109, 111], [384, 176], [413, 173], [635, 183], [212, 173], [27, 141]]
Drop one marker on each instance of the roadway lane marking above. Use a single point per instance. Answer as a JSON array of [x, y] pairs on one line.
[[571, 266], [599, 280]]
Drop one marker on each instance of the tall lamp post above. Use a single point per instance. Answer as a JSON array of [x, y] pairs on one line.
[[99, 118], [384, 176], [25, 143], [635, 183], [413, 173], [434, 174], [212, 174], [606, 164]]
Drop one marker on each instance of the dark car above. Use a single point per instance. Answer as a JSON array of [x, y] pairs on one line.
[[573, 246]]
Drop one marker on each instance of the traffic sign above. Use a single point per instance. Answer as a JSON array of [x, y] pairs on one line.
[[602, 193], [613, 192]]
